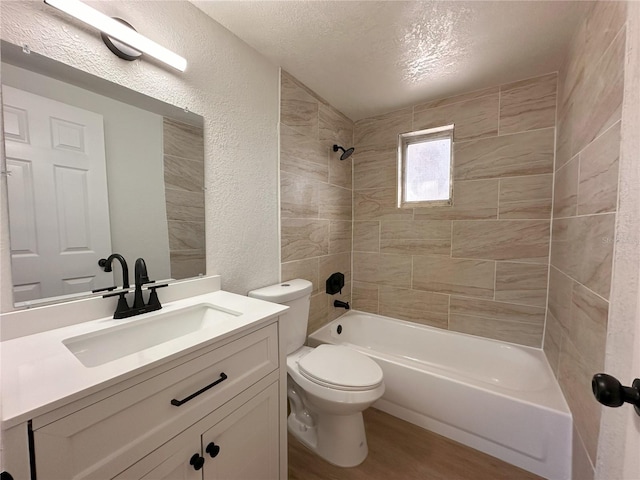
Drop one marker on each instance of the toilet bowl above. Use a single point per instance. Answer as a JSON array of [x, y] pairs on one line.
[[328, 387]]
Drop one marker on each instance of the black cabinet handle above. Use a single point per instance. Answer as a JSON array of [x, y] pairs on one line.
[[213, 450], [197, 461], [177, 403], [610, 392]]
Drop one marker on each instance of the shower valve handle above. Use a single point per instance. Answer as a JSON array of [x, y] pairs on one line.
[[611, 393]]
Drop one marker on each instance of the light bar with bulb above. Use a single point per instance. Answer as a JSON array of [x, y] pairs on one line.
[[120, 32]]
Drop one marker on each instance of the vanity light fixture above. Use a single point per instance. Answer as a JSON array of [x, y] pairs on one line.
[[118, 31]]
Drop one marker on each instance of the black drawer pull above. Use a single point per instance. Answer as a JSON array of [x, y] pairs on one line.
[[177, 403]]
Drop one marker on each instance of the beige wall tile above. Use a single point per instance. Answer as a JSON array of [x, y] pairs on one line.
[[507, 312], [520, 189], [187, 263], [340, 233], [416, 237], [598, 190], [528, 104], [526, 197], [521, 283], [298, 108], [560, 293], [298, 196], [365, 297], [184, 174], [476, 118], [581, 466], [375, 168], [565, 195], [530, 209], [302, 238], [184, 206], [335, 128], [454, 276], [588, 330], [186, 235], [366, 236], [415, 306], [382, 130], [521, 333], [318, 312], [552, 342], [477, 199], [340, 171], [378, 204], [583, 249], [389, 270], [603, 24], [334, 203], [182, 140], [303, 155], [522, 240], [528, 153], [574, 377], [306, 269], [460, 98], [329, 264], [600, 105], [564, 137]]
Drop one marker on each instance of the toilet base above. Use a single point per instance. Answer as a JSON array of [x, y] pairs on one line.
[[339, 439]]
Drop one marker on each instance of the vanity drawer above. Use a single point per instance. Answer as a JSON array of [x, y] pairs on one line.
[[102, 439]]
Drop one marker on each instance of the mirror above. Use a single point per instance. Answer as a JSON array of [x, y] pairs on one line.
[[95, 168]]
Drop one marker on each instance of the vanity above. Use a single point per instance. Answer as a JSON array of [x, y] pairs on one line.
[[196, 390]]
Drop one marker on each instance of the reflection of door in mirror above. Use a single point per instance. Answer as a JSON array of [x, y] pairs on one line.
[[57, 186]]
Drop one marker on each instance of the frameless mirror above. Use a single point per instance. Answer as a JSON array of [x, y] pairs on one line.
[[95, 168]]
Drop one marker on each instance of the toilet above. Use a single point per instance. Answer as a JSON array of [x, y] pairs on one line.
[[328, 386]]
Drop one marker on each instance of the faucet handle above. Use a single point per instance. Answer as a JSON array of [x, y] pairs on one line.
[[154, 301], [106, 289], [122, 309]]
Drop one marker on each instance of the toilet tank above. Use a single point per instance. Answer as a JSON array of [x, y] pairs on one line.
[[296, 294]]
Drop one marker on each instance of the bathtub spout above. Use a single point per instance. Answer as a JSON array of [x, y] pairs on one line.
[[339, 304]]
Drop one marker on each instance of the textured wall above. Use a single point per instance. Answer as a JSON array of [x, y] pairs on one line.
[[232, 86], [315, 196], [479, 266], [590, 99]]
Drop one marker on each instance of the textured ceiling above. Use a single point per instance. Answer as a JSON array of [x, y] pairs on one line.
[[371, 57]]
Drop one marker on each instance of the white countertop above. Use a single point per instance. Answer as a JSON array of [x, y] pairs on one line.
[[40, 374]]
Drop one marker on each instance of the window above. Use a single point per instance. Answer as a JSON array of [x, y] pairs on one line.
[[425, 167]]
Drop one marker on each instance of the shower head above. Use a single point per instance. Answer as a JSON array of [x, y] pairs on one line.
[[345, 153]]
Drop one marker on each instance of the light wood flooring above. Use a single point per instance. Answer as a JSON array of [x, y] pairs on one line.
[[399, 450]]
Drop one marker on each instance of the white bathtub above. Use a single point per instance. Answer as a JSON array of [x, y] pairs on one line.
[[496, 397]]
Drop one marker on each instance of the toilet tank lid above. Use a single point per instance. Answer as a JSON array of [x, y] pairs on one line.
[[283, 292]]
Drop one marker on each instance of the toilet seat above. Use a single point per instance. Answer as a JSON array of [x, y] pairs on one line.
[[341, 368]]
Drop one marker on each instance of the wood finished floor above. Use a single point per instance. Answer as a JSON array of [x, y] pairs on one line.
[[399, 450]]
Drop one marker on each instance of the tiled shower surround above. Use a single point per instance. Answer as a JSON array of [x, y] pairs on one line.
[[591, 89], [480, 266], [315, 196]]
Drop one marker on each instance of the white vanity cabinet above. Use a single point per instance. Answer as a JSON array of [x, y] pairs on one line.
[[239, 441], [151, 425]]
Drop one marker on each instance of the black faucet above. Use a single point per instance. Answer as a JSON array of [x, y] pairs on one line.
[[141, 277], [340, 304], [105, 263]]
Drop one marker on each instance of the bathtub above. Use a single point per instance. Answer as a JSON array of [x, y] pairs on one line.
[[499, 398]]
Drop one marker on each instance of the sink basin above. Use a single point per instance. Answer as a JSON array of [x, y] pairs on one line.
[[97, 348]]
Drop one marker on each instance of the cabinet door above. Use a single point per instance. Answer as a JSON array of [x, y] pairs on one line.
[[169, 462], [247, 441]]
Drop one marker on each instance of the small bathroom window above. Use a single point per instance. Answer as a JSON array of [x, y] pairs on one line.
[[425, 160]]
